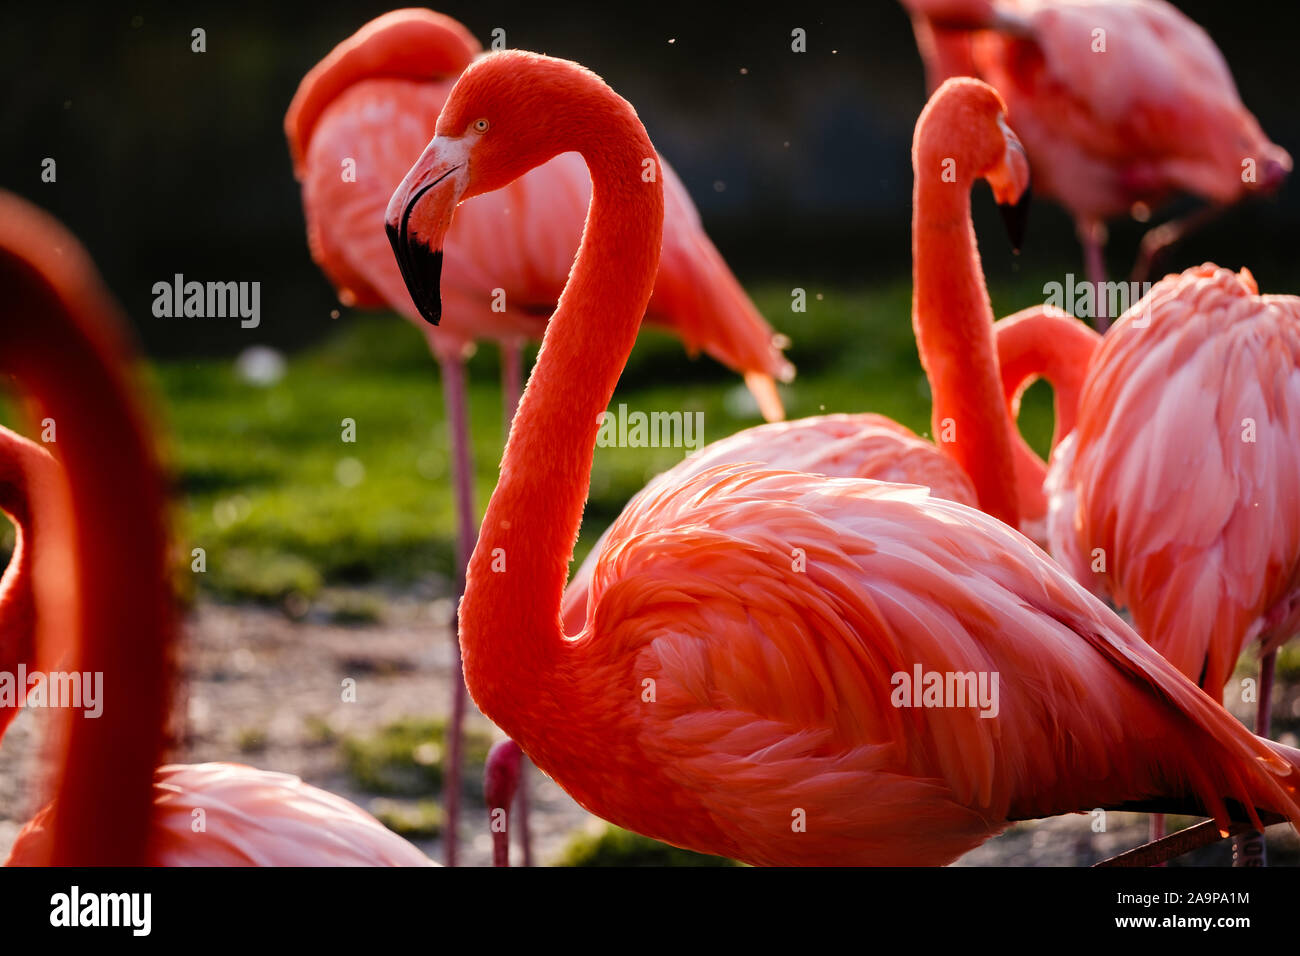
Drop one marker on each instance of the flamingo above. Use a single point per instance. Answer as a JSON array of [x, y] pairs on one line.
[[1120, 103], [1177, 492], [100, 573], [725, 696], [956, 339], [359, 119]]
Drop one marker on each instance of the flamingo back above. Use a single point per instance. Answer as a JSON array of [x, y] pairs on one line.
[[845, 446]]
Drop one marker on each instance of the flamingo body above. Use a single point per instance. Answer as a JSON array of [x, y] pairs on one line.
[[224, 814], [734, 688], [520, 240], [772, 688], [1120, 103], [1157, 112], [1184, 470]]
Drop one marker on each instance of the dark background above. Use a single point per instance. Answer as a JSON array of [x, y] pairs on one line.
[[172, 161]]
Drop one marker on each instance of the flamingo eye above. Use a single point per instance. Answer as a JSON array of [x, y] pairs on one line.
[[480, 126]]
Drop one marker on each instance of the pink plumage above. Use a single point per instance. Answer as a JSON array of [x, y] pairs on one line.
[[1124, 101], [225, 814], [1121, 104], [508, 253], [773, 688], [1177, 492], [844, 446]]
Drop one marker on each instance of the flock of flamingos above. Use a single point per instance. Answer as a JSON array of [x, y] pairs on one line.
[[722, 672]]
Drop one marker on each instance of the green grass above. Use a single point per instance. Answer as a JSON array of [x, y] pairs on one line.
[[284, 507], [613, 846], [405, 758]]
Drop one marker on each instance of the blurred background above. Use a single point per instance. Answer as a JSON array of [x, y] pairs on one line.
[[171, 161], [326, 559]]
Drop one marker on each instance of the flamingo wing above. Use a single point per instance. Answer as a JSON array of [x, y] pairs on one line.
[[773, 610]]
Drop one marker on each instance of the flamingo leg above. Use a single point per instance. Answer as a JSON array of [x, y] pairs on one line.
[[1092, 236], [1248, 849], [1161, 238], [521, 805], [454, 395]]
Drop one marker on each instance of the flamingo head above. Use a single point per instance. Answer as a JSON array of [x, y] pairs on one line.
[[500, 121], [963, 135]]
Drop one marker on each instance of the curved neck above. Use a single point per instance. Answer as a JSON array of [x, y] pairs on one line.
[[953, 321], [110, 589], [511, 634], [1047, 343]]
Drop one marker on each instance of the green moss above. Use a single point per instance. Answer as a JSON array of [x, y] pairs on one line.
[[617, 847], [418, 820], [251, 740], [405, 758]]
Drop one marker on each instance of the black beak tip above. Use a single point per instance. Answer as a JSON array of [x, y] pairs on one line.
[[421, 269], [1016, 219]]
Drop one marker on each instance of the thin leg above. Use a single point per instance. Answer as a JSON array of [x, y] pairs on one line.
[[1157, 832], [1248, 848], [1159, 240], [521, 814], [453, 385], [512, 386], [1092, 236]]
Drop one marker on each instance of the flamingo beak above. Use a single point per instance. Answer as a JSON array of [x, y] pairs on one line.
[[1015, 216], [416, 221], [1011, 187]]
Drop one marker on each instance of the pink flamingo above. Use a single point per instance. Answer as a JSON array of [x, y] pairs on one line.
[[1176, 493], [1120, 104], [99, 572], [359, 119], [725, 696]]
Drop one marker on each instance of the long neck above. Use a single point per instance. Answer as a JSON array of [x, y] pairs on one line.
[[1043, 342], [953, 321], [511, 633], [57, 335]]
